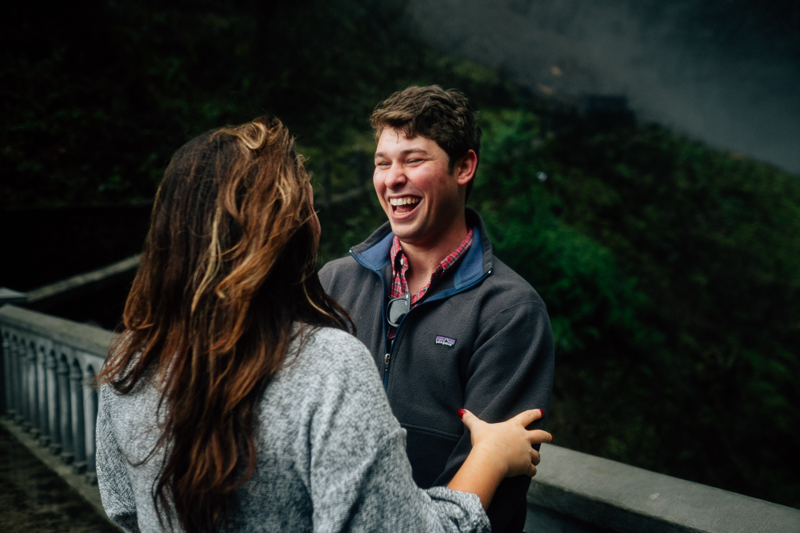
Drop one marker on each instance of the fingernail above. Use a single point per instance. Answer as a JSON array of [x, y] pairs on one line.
[[461, 413], [552, 439], [542, 410]]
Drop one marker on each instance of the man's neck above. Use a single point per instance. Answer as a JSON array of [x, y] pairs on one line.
[[423, 259]]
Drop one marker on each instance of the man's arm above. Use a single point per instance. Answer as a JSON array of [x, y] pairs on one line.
[[511, 370]]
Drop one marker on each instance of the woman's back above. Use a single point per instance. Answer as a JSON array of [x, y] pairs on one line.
[[325, 435]]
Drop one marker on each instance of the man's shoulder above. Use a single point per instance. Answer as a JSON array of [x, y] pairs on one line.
[[343, 268], [343, 264], [339, 276], [504, 283]]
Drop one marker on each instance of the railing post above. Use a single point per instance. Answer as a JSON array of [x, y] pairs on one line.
[[25, 382], [65, 410], [33, 396], [11, 404], [19, 397], [43, 347], [7, 377], [90, 422], [53, 405], [77, 416]]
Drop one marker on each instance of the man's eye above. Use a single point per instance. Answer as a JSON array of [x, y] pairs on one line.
[[413, 161], [381, 164]]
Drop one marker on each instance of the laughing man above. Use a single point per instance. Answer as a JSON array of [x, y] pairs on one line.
[[448, 323]]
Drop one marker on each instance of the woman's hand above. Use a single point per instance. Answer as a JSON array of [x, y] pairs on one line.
[[498, 451], [508, 443]]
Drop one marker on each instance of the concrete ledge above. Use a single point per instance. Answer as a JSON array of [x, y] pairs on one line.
[[614, 496], [91, 339], [9, 296], [49, 295], [78, 482]]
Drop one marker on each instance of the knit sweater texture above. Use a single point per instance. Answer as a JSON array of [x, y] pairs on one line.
[[331, 457]]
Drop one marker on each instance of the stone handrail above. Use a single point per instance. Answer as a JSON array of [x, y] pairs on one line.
[[581, 493], [49, 362], [48, 367]]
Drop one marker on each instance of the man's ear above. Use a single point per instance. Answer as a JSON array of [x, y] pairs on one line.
[[465, 167]]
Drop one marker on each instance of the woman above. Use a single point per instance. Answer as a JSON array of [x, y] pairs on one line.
[[234, 399]]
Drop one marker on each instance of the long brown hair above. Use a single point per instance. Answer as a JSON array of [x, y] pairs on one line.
[[228, 270]]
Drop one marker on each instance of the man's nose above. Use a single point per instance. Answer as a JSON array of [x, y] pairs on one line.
[[395, 177]]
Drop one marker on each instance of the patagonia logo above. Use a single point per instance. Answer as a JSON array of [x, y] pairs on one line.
[[445, 341]]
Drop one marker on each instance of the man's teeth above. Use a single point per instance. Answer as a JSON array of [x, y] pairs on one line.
[[403, 201]]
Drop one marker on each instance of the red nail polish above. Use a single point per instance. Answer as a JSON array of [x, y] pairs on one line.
[[542, 410], [461, 413], [552, 439]]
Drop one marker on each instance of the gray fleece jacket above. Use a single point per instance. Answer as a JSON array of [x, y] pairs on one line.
[[480, 339], [331, 457]]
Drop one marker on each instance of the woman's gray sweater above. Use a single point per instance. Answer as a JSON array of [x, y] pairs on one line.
[[331, 457]]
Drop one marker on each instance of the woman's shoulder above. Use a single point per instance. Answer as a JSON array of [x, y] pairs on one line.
[[326, 370], [328, 354], [330, 347], [333, 339]]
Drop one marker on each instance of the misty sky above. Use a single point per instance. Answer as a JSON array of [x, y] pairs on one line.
[[726, 72]]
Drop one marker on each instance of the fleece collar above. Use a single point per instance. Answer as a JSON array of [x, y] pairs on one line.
[[373, 253]]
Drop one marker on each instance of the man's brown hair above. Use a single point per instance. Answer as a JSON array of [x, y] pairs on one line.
[[443, 116]]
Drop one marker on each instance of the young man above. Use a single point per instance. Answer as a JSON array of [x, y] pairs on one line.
[[449, 324]]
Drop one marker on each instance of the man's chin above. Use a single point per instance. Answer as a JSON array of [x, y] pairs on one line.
[[405, 232]]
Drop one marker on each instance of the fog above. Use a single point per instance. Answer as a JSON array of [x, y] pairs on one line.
[[726, 72]]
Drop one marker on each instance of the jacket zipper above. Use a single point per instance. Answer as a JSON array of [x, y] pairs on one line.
[[388, 356]]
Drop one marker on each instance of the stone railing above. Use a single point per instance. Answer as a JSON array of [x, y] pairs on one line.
[[49, 362], [48, 367], [575, 492]]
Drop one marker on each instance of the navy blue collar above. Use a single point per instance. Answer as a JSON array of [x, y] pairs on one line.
[[471, 269]]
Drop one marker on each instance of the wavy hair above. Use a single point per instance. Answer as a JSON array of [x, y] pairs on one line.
[[227, 272]]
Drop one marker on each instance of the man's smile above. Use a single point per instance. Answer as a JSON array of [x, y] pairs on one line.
[[404, 204]]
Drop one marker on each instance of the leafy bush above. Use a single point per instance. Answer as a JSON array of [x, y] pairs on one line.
[[670, 271]]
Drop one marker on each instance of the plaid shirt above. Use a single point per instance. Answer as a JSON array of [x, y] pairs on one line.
[[400, 267]]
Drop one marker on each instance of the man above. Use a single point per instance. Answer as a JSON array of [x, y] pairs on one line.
[[449, 325]]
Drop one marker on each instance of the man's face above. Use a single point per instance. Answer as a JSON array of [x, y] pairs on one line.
[[420, 196]]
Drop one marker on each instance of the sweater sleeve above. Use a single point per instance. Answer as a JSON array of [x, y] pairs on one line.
[[115, 487], [360, 477], [511, 370]]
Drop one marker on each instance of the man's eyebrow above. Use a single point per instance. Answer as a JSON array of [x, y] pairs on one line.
[[405, 152]]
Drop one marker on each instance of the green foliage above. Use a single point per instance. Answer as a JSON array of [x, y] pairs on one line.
[[670, 272], [715, 242]]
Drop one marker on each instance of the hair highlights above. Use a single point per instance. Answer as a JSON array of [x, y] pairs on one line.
[[227, 273]]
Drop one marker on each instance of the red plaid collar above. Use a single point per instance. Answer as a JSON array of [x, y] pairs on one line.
[[400, 267]]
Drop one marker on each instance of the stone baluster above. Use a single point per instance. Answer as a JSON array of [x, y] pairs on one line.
[[8, 378], [16, 378], [25, 359], [19, 378], [53, 403], [33, 396], [90, 422], [77, 417], [65, 409], [43, 347]]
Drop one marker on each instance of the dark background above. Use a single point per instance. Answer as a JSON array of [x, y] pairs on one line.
[[668, 256]]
